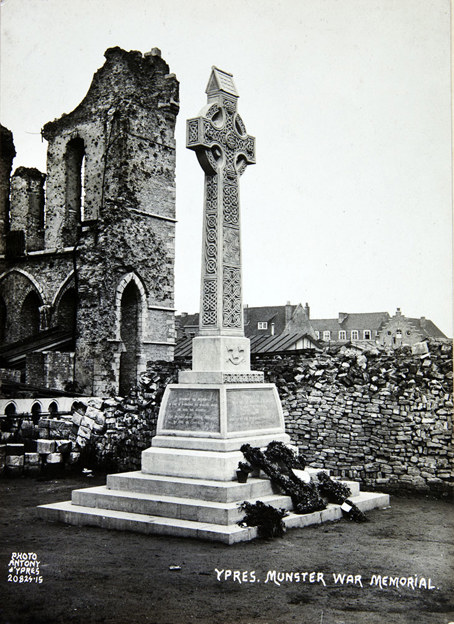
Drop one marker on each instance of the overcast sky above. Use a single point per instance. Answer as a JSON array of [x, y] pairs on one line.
[[349, 204]]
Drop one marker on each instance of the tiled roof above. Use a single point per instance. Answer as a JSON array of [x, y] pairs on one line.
[[183, 348], [259, 344], [356, 320], [427, 327], [191, 320], [252, 316], [268, 314], [271, 344]]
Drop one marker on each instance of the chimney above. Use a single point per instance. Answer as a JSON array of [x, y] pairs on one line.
[[398, 312], [308, 311], [422, 322], [245, 314], [288, 313]]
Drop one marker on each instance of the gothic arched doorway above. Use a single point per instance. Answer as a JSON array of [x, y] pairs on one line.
[[129, 333], [29, 315], [67, 309]]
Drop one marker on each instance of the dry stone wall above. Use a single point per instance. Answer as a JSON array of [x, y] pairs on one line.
[[382, 419]]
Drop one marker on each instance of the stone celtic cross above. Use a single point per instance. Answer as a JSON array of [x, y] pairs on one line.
[[224, 149]]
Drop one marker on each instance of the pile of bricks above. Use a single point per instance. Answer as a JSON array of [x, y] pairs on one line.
[[382, 418]]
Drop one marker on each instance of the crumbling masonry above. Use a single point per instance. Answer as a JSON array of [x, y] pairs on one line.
[[86, 267]]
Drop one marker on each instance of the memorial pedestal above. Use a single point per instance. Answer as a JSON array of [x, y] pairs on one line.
[[187, 486]]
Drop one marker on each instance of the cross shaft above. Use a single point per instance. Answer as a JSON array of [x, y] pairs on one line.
[[224, 149]]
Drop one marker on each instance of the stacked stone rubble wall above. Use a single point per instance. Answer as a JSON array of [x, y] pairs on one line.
[[382, 419]]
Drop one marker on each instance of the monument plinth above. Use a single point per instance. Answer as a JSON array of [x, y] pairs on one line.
[[220, 404]]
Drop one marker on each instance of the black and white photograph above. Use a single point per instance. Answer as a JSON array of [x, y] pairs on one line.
[[226, 315]]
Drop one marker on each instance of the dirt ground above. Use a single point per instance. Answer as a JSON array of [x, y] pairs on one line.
[[92, 575]]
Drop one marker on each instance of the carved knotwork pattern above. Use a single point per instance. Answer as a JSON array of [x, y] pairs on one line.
[[231, 246], [232, 297], [212, 111], [224, 148], [229, 106], [211, 195], [250, 146], [209, 314], [213, 133], [211, 236], [243, 378], [193, 131], [231, 199]]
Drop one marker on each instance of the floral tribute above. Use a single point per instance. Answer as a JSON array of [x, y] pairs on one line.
[[278, 462]]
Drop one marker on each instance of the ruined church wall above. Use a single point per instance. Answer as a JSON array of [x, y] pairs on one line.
[[27, 199], [121, 247], [7, 153], [58, 230], [109, 219]]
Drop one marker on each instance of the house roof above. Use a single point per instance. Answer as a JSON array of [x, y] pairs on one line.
[[429, 328], [187, 320], [282, 342], [252, 316], [349, 321], [183, 348], [268, 314]]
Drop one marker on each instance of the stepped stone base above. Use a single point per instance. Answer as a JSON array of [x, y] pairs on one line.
[[186, 507]]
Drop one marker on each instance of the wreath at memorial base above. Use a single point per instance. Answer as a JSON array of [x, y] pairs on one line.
[[278, 462], [266, 518]]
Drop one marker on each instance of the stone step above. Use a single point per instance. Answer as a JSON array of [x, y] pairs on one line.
[[154, 525], [140, 523], [170, 506], [353, 485], [365, 501], [219, 491]]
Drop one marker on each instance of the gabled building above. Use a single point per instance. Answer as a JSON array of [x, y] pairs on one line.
[[400, 330], [370, 329]]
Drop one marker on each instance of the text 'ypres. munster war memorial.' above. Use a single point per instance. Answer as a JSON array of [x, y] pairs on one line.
[[87, 267]]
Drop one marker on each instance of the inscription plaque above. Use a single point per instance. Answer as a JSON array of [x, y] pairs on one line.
[[192, 410], [252, 409]]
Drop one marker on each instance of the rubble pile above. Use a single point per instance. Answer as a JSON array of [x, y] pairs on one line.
[[382, 418], [28, 447], [112, 433], [102, 433]]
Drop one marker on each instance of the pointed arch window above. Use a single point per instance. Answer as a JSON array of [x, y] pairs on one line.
[[75, 188], [129, 332]]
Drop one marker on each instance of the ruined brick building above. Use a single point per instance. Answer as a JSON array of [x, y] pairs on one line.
[[87, 250]]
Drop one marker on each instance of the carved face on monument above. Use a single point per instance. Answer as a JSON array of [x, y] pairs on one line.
[[235, 354]]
